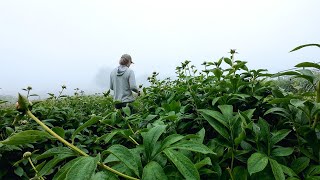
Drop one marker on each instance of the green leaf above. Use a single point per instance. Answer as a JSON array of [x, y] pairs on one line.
[[217, 72], [215, 100], [53, 162], [308, 64], [220, 128], [125, 156], [288, 171], [280, 111], [257, 162], [240, 173], [228, 61], [305, 45], [299, 164], [107, 137], [9, 131], [126, 110], [151, 137], [90, 122], [183, 164], [61, 174], [282, 151], [192, 146], [216, 115], [55, 151], [279, 135], [287, 73], [153, 171], [277, 170], [59, 131], [227, 111], [19, 171], [26, 137], [83, 169], [297, 102], [173, 138], [203, 162], [264, 129], [313, 170], [104, 175]]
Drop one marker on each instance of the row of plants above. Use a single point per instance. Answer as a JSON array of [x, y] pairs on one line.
[[223, 122]]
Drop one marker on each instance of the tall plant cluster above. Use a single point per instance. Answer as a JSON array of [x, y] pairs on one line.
[[222, 122]]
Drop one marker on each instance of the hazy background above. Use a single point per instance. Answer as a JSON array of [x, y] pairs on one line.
[[46, 44]]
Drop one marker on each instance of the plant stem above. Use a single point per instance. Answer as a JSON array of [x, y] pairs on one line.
[[34, 168], [317, 101], [230, 173], [74, 147]]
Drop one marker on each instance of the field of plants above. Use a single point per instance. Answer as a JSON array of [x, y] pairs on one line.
[[225, 122]]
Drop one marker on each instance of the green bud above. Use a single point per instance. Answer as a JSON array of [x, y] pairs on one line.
[[27, 154], [23, 103]]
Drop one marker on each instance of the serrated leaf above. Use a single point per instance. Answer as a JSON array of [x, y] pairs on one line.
[[153, 171], [183, 164]]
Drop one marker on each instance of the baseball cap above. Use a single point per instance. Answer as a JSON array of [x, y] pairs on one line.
[[128, 57]]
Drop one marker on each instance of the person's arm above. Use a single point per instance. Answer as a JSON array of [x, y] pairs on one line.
[[132, 82], [111, 82]]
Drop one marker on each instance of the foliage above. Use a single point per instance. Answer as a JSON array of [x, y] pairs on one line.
[[224, 122]]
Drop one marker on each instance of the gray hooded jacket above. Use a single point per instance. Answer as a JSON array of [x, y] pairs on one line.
[[123, 82]]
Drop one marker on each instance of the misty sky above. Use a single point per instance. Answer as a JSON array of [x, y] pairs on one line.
[[46, 44]]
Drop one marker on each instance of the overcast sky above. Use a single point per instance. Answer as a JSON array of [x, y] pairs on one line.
[[46, 44]]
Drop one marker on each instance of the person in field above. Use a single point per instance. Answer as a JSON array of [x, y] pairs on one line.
[[123, 82]]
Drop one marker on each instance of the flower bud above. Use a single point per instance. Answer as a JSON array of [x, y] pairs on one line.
[[27, 154], [23, 103]]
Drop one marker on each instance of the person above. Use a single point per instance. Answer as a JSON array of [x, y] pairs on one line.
[[123, 82]]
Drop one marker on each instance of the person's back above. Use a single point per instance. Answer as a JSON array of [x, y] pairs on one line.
[[122, 82]]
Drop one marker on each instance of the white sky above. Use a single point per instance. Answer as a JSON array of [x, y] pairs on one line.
[[45, 44]]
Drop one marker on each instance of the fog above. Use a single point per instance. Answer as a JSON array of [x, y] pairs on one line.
[[47, 44]]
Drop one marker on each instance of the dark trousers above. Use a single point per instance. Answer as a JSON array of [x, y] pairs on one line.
[[121, 105]]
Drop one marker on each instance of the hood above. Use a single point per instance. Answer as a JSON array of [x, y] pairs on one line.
[[121, 70]]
